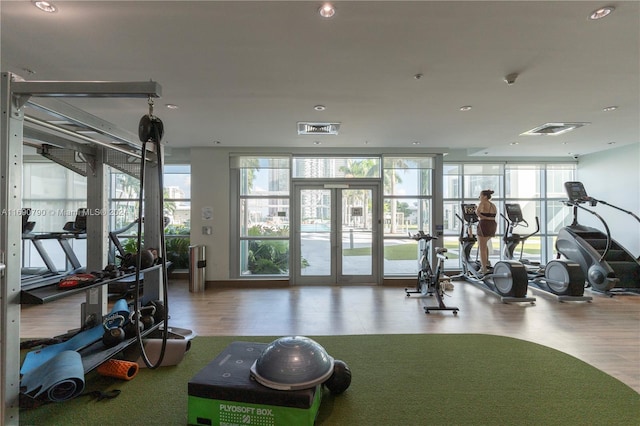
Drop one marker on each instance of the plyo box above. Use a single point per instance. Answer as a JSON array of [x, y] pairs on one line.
[[224, 394]]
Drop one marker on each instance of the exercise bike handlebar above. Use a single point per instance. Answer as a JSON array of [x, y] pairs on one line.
[[422, 236]]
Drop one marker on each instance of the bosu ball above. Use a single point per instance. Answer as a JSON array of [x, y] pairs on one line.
[[278, 383]]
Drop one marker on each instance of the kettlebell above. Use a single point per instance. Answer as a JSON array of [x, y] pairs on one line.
[[158, 315], [114, 333], [147, 319], [130, 329]]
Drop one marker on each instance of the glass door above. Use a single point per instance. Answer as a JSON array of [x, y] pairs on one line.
[[336, 238]]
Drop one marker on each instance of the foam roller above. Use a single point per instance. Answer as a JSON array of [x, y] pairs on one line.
[[125, 370]]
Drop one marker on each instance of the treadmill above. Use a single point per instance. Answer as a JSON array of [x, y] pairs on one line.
[[38, 277]]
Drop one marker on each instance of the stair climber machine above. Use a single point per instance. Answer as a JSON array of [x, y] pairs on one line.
[[561, 278], [507, 279], [608, 267]]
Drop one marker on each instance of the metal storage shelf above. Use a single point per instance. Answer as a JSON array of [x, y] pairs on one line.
[[49, 293]]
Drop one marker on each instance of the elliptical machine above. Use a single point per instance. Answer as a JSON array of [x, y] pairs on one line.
[[507, 279], [606, 264], [428, 282], [562, 278]]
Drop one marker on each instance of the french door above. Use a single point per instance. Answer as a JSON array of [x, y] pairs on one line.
[[336, 234]]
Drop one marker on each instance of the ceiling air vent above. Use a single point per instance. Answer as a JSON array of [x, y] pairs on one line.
[[553, 129], [318, 128]]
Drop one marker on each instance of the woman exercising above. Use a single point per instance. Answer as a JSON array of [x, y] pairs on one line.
[[486, 212]]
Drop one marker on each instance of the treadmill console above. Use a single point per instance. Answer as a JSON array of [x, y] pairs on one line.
[[469, 212], [576, 192]]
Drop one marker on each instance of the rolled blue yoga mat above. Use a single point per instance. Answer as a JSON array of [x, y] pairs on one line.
[[38, 357], [59, 379]]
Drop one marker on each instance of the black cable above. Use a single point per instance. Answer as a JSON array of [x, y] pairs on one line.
[[162, 249]]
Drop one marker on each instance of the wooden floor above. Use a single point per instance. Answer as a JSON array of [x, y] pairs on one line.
[[604, 333]]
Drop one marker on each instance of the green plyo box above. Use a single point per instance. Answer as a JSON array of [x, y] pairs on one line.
[[224, 394]]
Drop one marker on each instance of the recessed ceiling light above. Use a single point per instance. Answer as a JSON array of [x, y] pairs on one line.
[[327, 10], [601, 13], [465, 108], [319, 107], [610, 108], [611, 143], [418, 76], [415, 143], [45, 6], [217, 142], [514, 143], [317, 143], [171, 106]]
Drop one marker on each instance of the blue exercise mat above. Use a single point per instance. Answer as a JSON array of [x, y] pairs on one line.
[[59, 379], [38, 357]]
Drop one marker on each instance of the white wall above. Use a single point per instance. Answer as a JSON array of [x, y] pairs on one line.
[[210, 188], [614, 176]]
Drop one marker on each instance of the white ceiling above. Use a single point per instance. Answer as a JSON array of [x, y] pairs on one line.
[[244, 73]]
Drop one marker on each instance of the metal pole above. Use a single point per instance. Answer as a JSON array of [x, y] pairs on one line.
[[10, 250]]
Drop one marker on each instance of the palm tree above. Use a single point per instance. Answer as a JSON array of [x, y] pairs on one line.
[[366, 168], [390, 180]]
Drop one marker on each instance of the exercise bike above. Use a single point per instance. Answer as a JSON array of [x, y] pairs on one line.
[[562, 278], [428, 282], [507, 279]]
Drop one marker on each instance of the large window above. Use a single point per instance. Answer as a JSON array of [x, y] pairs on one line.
[[537, 188], [123, 199], [263, 215], [336, 167], [54, 194], [407, 183]]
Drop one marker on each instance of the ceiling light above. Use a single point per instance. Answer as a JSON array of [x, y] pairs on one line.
[[45, 6], [319, 107], [317, 142], [611, 143], [514, 143], [415, 143], [601, 13], [610, 108], [418, 76], [171, 106], [327, 10], [465, 108]]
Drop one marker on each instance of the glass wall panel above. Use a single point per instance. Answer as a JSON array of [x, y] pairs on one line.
[[264, 257], [336, 167], [558, 216], [557, 175], [263, 182], [264, 217], [263, 221], [411, 215], [522, 181]]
